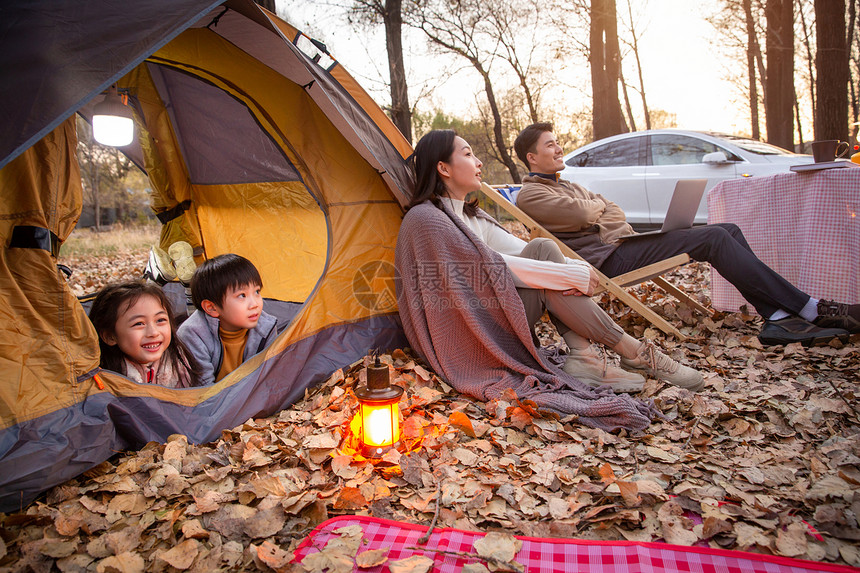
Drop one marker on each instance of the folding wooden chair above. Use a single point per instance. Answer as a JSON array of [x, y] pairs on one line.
[[615, 285]]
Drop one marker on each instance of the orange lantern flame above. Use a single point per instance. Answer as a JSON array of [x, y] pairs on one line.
[[379, 413]]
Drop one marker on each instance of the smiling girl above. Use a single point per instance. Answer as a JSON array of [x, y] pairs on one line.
[[137, 336]]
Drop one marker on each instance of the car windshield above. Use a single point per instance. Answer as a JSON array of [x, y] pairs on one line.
[[757, 147], [621, 153]]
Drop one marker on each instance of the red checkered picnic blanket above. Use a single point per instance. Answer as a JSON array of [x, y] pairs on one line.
[[805, 226], [556, 555]]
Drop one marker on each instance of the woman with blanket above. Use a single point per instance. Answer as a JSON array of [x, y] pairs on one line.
[[469, 294]]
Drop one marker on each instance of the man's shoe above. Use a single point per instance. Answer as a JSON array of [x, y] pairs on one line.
[[795, 329], [588, 366], [833, 314], [159, 269], [182, 255], [652, 362]]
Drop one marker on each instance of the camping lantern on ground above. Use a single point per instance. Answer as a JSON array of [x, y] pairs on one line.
[[378, 412], [113, 122]]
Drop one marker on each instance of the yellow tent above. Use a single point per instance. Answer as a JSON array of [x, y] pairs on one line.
[[256, 142]]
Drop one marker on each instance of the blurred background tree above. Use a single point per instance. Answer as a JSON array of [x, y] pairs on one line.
[[794, 65], [114, 188]]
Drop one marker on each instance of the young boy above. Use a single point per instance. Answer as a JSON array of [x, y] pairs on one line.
[[229, 325]]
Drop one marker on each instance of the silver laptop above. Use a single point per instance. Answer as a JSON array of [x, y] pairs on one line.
[[682, 208]]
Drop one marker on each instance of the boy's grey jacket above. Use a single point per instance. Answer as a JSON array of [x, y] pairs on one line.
[[200, 333]]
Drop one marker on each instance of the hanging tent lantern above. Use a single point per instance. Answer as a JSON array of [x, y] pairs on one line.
[[113, 122]]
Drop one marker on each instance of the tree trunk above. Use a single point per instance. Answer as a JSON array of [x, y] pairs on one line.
[[639, 69], [853, 77], [831, 61], [855, 123], [762, 72], [401, 113], [94, 187], [498, 136], [533, 113], [799, 126], [530, 102], [632, 123], [779, 96], [605, 70], [752, 48], [810, 60]]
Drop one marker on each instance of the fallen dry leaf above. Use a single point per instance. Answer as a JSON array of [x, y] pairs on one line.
[[371, 558], [462, 422], [350, 498], [791, 541], [629, 493], [273, 556], [182, 556], [192, 529], [414, 564], [520, 418], [499, 546], [676, 528], [122, 563]]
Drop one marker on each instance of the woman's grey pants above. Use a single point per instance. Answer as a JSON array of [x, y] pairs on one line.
[[579, 314]]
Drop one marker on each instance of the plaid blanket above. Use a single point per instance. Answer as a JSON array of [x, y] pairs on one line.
[[461, 311], [554, 555]]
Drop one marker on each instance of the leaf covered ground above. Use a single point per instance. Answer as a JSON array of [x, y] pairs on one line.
[[766, 458], [114, 255]]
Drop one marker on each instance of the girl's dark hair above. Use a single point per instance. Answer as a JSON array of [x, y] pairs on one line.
[[435, 146], [117, 298]]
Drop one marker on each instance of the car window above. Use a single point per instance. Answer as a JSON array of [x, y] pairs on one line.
[[672, 149], [621, 153], [757, 147]]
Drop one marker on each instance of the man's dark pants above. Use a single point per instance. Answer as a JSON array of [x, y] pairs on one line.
[[724, 246]]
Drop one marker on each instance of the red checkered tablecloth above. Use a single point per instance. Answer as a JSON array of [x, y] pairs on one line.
[[805, 226], [556, 555]]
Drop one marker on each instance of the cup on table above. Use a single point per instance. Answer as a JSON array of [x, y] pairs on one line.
[[828, 150]]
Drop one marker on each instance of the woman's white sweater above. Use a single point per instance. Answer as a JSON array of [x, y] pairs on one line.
[[529, 273]]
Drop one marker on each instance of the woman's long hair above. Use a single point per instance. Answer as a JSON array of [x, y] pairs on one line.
[[115, 299], [435, 146]]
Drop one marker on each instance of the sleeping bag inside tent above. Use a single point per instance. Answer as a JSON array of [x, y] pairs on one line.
[[256, 142]]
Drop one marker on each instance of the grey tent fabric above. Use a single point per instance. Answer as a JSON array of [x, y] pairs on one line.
[[51, 66], [211, 122]]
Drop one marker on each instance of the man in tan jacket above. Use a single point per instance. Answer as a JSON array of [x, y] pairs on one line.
[[591, 225]]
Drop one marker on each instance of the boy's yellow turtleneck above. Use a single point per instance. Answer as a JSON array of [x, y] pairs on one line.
[[233, 343]]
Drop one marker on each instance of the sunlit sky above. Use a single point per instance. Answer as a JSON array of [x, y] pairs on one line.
[[685, 72]]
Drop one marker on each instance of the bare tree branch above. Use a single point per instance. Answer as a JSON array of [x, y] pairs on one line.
[[634, 44], [456, 28], [390, 14]]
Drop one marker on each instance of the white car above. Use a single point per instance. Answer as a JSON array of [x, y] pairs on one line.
[[638, 170]]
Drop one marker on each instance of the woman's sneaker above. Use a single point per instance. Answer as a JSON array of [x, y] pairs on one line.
[[652, 362], [589, 367]]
